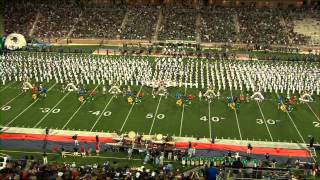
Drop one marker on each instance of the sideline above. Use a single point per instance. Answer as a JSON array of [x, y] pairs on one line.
[[50, 153]]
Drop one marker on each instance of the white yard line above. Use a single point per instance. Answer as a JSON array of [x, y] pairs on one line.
[[64, 126], [105, 108], [235, 113], [26, 108], [46, 115], [155, 115], [313, 112], [210, 131], [11, 100], [127, 117], [182, 114], [10, 84], [265, 122], [294, 124]]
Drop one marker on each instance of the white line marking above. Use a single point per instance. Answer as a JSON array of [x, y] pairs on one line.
[[294, 124], [11, 100], [182, 114], [64, 126], [313, 112], [46, 115], [127, 117], [105, 108], [26, 108], [265, 122], [7, 86], [155, 115], [235, 112], [210, 131]]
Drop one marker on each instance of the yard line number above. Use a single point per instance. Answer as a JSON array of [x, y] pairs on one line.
[[213, 119], [46, 110], [5, 108], [159, 116], [97, 113], [269, 121], [316, 124]]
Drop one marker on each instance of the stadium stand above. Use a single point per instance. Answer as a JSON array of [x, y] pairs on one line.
[[141, 23], [99, 23], [19, 17], [255, 22], [218, 24], [56, 21], [178, 24]]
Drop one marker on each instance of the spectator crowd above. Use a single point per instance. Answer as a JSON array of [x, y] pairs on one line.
[[218, 25], [30, 167], [249, 24], [178, 24], [19, 18], [56, 21], [99, 23], [141, 23]]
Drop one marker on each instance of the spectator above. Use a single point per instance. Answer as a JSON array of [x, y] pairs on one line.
[[212, 173]]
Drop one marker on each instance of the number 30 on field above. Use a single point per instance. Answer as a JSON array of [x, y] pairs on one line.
[[269, 121]]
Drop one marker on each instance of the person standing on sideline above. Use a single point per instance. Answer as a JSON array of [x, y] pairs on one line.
[[249, 148], [63, 153], [97, 148], [45, 158], [130, 153]]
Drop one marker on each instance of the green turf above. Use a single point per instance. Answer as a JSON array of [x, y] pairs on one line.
[[160, 115]]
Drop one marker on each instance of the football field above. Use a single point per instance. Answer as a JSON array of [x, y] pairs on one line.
[[160, 115]]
